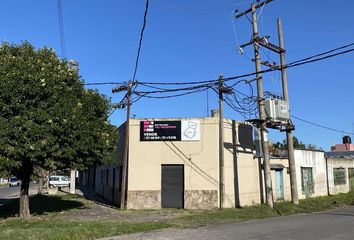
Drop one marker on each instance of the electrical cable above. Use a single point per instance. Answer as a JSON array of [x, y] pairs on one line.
[[290, 65], [103, 83], [321, 126], [169, 96], [111, 113], [180, 89], [324, 53], [141, 39], [61, 29]]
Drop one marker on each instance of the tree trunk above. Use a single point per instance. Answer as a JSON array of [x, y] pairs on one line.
[[24, 211], [40, 185]]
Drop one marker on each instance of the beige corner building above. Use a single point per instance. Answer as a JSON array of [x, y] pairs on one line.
[[174, 163]]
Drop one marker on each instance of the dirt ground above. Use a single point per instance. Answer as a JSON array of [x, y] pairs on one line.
[[94, 210]]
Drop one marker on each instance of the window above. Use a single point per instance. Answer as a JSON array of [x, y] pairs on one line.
[[307, 185], [339, 176]]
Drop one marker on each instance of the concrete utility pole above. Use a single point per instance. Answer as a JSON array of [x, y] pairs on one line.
[[221, 144], [124, 184], [75, 65], [262, 113], [227, 90], [289, 136]]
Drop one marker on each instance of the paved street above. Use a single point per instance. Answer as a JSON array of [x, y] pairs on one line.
[[335, 224], [7, 192]]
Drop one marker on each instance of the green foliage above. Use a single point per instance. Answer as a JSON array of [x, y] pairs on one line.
[[297, 145], [47, 118]]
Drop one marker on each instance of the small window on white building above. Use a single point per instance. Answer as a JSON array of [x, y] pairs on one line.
[[307, 185], [339, 176]]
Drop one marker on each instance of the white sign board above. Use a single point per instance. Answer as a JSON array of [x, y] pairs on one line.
[[190, 130]]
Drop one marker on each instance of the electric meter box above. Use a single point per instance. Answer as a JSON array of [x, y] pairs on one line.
[[277, 109]]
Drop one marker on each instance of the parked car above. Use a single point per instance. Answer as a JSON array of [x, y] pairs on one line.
[[58, 181], [14, 181]]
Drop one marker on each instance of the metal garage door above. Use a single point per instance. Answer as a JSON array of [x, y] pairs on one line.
[[172, 186]]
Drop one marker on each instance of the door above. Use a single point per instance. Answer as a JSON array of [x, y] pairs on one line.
[[172, 186], [279, 180], [351, 179], [307, 181]]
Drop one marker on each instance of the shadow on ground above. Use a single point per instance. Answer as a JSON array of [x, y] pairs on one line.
[[90, 194], [39, 205]]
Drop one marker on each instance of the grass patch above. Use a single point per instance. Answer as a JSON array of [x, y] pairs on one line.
[[316, 204], [52, 227], [309, 205], [201, 218], [59, 229]]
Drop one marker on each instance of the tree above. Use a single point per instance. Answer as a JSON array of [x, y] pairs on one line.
[[48, 119], [297, 145]]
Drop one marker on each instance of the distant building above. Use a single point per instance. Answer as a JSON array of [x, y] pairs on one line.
[[340, 164], [345, 146]]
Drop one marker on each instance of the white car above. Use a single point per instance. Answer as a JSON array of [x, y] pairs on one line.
[[58, 181], [14, 181]]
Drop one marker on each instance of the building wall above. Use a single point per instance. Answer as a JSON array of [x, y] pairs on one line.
[[303, 158], [338, 163], [201, 169], [241, 169], [315, 160], [286, 177], [107, 185]]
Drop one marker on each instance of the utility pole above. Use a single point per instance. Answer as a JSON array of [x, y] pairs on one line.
[[262, 114], [124, 182], [227, 90], [75, 65], [289, 136], [221, 144]]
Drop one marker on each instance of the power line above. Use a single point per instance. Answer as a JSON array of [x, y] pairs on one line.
[[170, 96], [321, 126], [324, 53], [290, 65], [61, 29], [141, 39], [103, 83], [180, 89]]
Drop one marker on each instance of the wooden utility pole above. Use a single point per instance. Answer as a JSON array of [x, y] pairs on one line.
[[221, 144], [261, 109], [289, 136]]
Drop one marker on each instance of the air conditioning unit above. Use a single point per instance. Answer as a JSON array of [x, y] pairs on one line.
[[277, 109]]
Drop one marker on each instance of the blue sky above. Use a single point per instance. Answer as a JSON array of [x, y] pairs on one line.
[[194, 40]]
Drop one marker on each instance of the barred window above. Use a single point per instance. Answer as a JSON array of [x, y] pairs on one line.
[[339, 176]]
